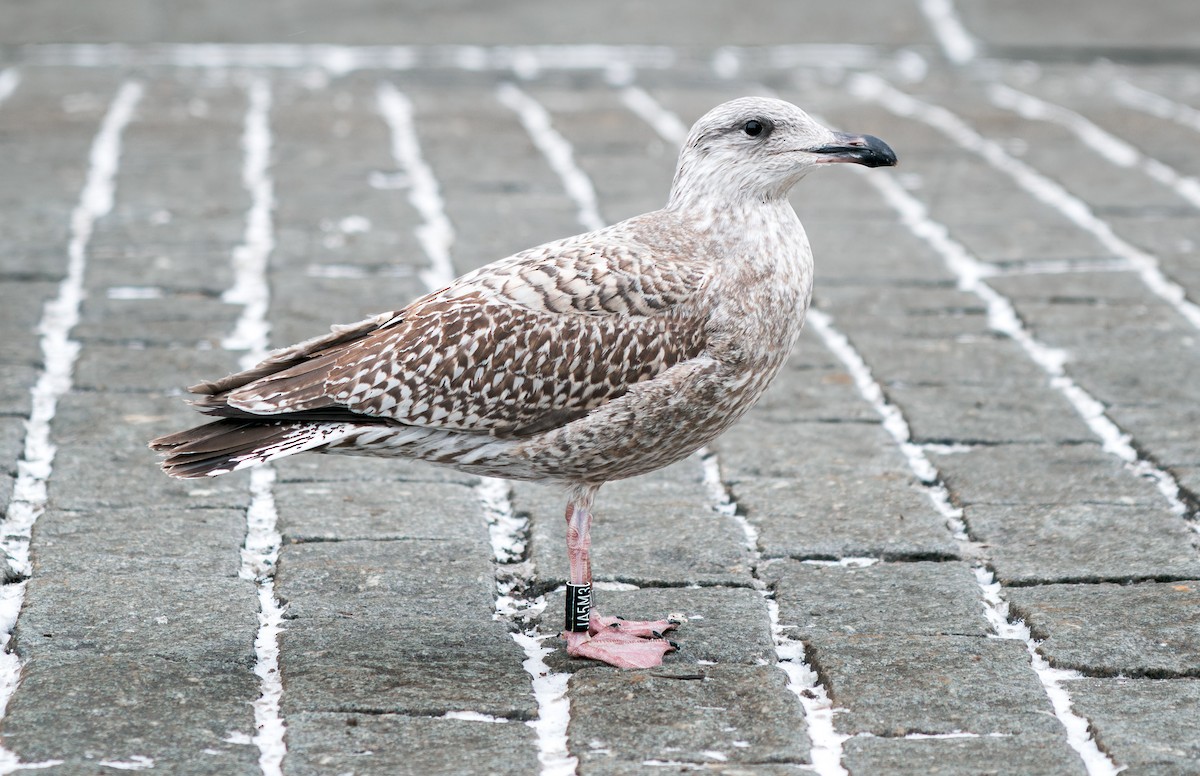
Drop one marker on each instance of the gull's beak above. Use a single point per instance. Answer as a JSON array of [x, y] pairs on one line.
[[857, 149]]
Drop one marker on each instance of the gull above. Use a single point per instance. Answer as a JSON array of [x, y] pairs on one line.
[[592, 358]]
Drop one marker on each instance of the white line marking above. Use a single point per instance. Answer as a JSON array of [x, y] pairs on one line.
[[1043, 188], [10, 78], [474, 716], [1156, 105], [250, 287], [138, 762], [957, 44], [338, 60], [1103, 142], [59, 353], [435, 234], [508, 534], [668, 126], [1079, 734], [260, 552], [557, 151]]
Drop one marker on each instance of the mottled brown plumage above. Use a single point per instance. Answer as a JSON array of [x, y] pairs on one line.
[[596, 357]]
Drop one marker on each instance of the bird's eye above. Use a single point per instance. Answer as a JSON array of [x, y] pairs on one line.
[[753, 128]]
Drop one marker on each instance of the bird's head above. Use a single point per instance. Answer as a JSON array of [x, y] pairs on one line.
[[757, 148]]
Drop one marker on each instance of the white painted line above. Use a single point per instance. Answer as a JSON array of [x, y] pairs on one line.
[[557, 151], [1156, 105], [959, 46], [554, 708], [59, 353], [1055, 267], [1043, 188], [138, 762], [1079, 734], [339, 60], [1103, 142], [9, 80], [260, 555], [508, 534], [803, 681], [668, 126], [250, 287], [260, 552], [1003, 318], [435, 234], [474, 716]]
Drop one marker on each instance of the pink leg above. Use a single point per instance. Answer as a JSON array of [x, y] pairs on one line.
[[620, 643]]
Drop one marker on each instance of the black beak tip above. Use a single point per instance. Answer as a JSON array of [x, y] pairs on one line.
[[866, 150], [876, 153]]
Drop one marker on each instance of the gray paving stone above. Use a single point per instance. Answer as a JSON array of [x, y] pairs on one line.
[[914, 314], [384, 627], [1042, 475], [982, 756], [150, 613], [855, 497], [886, 598], [133, 369], [90, 452], [629, 540], [611, 767], [1083, 543], [322, 743], [1149, 629], [45, 150], [390, 510], [12, 446], [337, 135], [977, 414], [699, 717], [16, 380], [1026, 26], [139, 581], [1143, 723], [1165, 431], [19, 317], [812, 386], [628, 164], [895, 685], [185, 322], [188, 716], [1188, 478], [311, 22], [718, 625]]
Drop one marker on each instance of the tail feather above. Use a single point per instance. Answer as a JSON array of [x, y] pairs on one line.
[[228, 445]]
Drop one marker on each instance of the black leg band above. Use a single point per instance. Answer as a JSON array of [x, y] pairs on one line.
[[579, 607]]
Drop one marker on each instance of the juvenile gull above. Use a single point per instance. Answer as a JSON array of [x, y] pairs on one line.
[[589, 359]]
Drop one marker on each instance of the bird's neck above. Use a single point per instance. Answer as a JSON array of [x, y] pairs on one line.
[[762, 282]]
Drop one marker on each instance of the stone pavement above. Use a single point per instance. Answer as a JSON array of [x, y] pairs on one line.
[[958, 536]]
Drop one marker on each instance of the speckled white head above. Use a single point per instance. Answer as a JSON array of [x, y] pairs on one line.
[[757, 148]]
